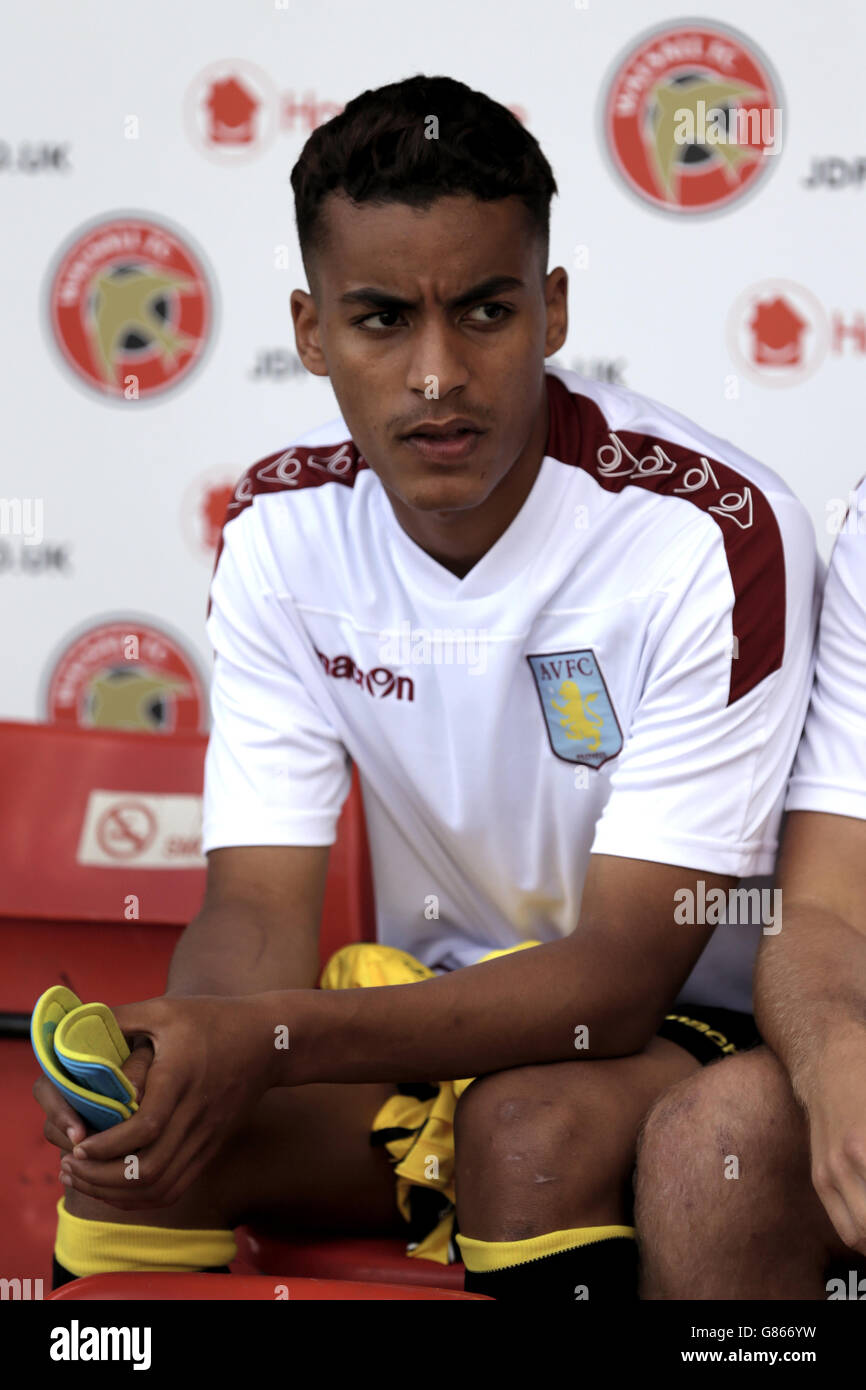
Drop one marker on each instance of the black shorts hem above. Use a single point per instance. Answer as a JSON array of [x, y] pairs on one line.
[[709, 1033]]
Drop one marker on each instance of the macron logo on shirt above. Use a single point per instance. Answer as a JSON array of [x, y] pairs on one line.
[[379, 682]]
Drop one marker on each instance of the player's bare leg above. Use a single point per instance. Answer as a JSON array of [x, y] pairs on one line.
[[545, 1147], [302, 1162], [725, 1206]]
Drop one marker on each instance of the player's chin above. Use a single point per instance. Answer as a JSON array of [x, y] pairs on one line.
[[455, 492], [433, 484]]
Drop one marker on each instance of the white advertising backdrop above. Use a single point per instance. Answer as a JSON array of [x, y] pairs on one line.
[[144, 148]]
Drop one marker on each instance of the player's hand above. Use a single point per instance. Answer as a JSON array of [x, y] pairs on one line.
[[837, 1126], [211, 1064], [63, 1126]]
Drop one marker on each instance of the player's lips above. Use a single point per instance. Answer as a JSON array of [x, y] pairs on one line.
[[445, 440]]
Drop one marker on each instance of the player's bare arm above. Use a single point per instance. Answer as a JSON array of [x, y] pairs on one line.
[[810, 1003], [259, 924], [614, 977]]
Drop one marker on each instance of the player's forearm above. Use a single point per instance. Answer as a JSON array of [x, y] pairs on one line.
[[229, 949], [810, 993], [545, 1004]]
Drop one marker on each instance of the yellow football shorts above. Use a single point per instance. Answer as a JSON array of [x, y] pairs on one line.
[[416, 1125]]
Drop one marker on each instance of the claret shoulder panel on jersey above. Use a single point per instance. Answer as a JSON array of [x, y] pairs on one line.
[[617, 458], [288, 470]]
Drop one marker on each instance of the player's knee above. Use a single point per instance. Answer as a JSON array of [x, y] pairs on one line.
[[665, 1145], [525, 1126], [708, 1128], [505, 1103]]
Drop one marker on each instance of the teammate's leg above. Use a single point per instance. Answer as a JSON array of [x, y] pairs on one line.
[[725, 1206], [544, 1158], [302, 1162]]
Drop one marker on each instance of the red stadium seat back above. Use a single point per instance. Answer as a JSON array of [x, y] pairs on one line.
[[94, 895], [244, 1287], [90, 817], [101, 826]]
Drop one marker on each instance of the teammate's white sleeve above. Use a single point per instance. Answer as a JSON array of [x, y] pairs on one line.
[[701, 782], [830, 769], [276, 773]]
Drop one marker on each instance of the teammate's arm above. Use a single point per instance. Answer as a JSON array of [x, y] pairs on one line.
[[810, 991], [810, 1002]]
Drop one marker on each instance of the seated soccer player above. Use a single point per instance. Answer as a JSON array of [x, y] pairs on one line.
[[565, 637], [752, 1176]]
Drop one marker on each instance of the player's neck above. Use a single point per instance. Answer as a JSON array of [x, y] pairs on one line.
[[458, 540]]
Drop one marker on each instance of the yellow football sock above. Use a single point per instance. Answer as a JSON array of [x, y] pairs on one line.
[[109, 1247], [481, 1256]]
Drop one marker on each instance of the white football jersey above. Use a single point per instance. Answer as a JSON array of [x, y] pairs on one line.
[[830, 768], [625, 672]]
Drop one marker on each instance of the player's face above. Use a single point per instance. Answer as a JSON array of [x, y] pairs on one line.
[[428, 316]]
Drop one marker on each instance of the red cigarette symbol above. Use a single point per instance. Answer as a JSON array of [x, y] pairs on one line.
[[126, 829]]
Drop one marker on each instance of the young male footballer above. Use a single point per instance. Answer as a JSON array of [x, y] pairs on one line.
[[565, 637], [793, 1224]]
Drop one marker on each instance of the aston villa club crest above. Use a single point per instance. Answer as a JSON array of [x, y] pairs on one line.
[[581, 723]]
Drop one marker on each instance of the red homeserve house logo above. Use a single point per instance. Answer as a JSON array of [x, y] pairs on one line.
[[778, 333], [126, 674], [233, 111], [656, 109], [131, 306], [203, 511]]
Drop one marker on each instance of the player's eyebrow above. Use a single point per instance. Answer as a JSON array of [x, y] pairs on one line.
[[379, 299]]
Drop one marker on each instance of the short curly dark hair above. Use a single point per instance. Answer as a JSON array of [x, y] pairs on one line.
[[377, 151]]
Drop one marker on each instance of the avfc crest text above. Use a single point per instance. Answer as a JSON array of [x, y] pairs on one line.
[[581, 723]]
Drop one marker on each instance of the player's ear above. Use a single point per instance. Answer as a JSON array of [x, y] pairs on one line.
[[305, 316], [556, 301]]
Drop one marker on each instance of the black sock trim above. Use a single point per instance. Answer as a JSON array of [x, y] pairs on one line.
[[607, 1269], [59, 1275]]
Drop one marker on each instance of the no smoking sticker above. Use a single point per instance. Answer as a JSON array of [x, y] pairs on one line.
[[136, 828]]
